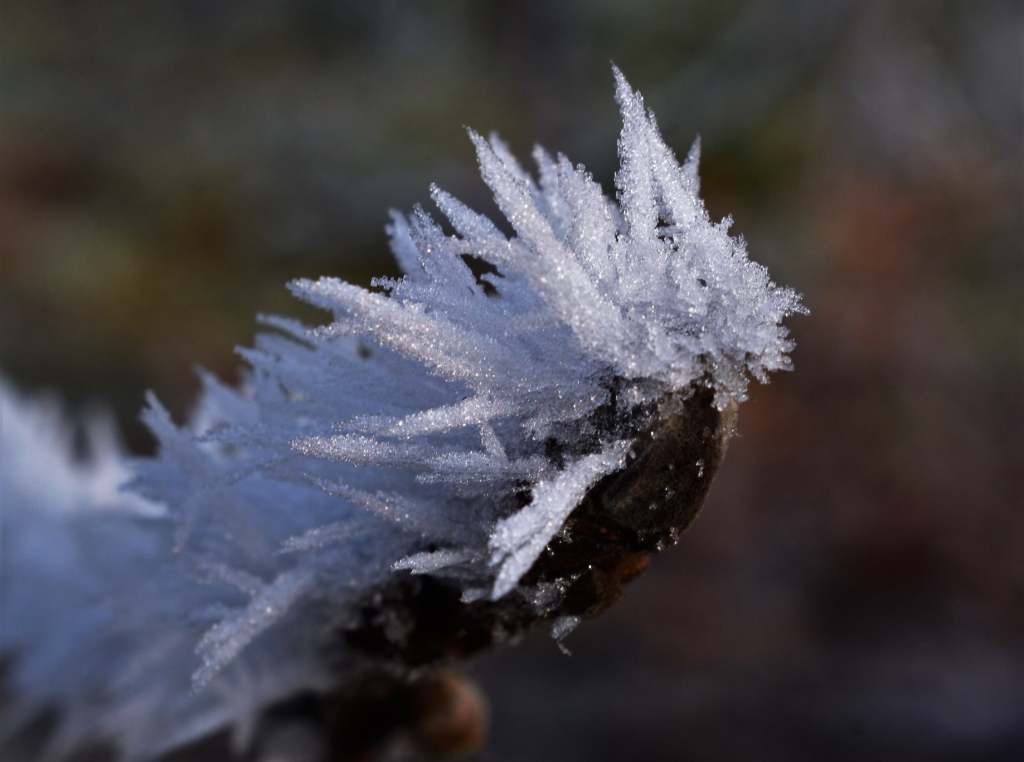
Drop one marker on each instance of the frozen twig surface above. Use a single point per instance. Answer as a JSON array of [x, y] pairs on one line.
[[453, 459]]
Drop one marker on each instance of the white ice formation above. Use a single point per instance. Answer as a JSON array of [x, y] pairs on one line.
[[380, 444]]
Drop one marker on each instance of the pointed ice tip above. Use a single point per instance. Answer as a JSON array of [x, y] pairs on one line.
[[694, 153], [502, 587], [442, 199], [298, 286], [481, 146], [624, 93], [154, 411], [421, 218], [691, 167]]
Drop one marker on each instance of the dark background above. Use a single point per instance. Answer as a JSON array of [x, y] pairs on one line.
[[854, 588]]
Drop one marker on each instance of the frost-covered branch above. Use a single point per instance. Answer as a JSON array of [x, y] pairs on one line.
[[453, 459]]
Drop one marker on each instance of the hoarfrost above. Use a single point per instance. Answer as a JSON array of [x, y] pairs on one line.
[[518, 540], [386, 442]]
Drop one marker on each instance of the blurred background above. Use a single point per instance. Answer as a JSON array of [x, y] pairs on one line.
[[855, 586]]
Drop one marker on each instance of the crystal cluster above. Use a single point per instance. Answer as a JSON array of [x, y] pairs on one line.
[[389, 441]]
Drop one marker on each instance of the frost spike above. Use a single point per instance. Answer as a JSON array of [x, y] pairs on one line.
[[470, 412], [634, 178], [559, 275], [518, 540], [454, 352], [402, 247], [691, 167]]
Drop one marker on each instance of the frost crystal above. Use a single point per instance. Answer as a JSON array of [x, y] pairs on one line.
[[445, 423]]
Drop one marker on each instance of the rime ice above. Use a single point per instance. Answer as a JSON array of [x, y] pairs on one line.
[[390, 441]]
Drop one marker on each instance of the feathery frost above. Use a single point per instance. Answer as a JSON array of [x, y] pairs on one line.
[[389, 441]]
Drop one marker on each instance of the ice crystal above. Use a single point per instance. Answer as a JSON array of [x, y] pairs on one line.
[[390, 441]]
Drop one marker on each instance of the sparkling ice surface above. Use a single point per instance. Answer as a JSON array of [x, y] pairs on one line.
[[384, 443]]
